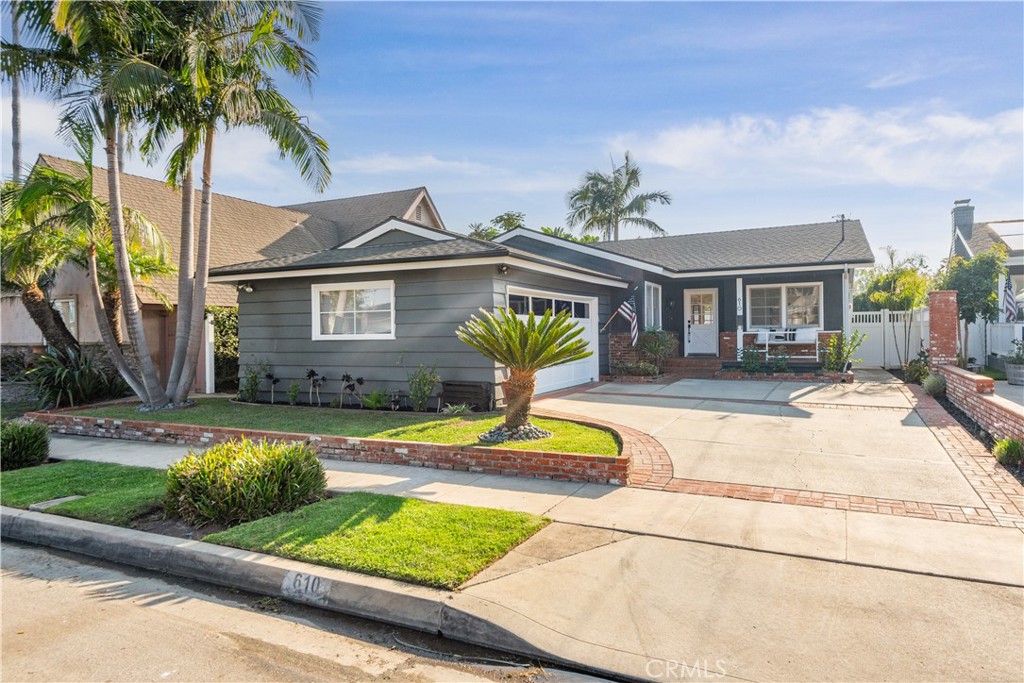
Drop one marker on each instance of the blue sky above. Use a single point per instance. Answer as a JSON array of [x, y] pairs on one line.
[[748, 114]]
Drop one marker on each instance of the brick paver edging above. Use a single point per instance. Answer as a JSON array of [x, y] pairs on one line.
[[483, 460], [1001, 493]]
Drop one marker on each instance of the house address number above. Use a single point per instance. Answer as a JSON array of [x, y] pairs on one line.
[[306, 587]]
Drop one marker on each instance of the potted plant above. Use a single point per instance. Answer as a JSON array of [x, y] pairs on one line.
[[1014, 363]]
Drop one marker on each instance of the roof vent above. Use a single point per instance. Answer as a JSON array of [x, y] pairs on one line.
[[419, 212]]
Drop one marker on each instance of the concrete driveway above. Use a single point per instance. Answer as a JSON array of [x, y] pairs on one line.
[[860, 439]]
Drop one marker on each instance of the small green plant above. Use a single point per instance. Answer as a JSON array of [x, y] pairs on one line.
[[934, 385], [23, 444], [916, 370], [254, 375], [837, 352], [422, 383], [378, 399], [640, 368], [242, 480], [456, 408], [655, 346], [1008, 452], [1016, 357], [778, 359], [293, 392], [750, 359], [72, 378]]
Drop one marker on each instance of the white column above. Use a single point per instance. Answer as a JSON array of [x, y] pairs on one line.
[[208, 332], [739, 318]]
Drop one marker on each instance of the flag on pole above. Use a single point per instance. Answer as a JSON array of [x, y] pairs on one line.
[[628, 311], [1009, 302]]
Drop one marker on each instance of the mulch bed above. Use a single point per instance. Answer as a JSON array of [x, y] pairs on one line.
[[968, 423]]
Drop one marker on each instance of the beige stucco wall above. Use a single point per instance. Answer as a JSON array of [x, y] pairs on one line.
[[16, 327]]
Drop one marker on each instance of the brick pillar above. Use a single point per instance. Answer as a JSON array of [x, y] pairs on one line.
[[943, 321]]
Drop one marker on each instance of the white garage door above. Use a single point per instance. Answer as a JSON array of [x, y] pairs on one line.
[[584, 313]]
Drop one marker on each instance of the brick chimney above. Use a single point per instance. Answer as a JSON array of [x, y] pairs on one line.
[[963, 217]]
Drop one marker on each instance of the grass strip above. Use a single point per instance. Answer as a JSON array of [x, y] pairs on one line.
[[433, 544], [114, 494], [462, 430]]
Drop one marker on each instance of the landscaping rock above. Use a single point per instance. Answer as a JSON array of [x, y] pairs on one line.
[[527, 432]]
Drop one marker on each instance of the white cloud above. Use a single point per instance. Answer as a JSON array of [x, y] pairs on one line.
[[911, 147], [391, 163]]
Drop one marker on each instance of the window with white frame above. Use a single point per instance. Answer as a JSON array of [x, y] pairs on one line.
[[354, 310], [789, 306], [68, 309], [652, 305]]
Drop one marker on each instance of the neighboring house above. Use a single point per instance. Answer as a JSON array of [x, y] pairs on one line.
[[990, 341], [381, 303], [242, 231]]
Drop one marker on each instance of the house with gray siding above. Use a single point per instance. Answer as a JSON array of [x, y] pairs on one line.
[[390, 298]]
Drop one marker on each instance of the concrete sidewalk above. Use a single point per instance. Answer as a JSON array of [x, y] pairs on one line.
[[922, 546]]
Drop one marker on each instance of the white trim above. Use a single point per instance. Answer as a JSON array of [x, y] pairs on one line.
[[847, 302], [422, 265], [967, 247], [1017, 260], [783, 285], [739, 297], [658, 310], [419, 231], [430, 207], [577, 246], [209, 376], [335, 286], [686, 316], [759, 271]]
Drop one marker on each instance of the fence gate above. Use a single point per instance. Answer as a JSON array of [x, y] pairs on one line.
[[890, 335]]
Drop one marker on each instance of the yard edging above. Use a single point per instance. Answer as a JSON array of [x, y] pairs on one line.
[[599, 469]]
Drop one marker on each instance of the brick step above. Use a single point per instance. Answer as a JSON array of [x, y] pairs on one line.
[[695, 363]]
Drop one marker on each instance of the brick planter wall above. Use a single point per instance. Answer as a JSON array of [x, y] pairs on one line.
[[974, 394], [622, 352], [535, 464]]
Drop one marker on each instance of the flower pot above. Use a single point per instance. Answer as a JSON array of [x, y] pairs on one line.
[[1014, 373]]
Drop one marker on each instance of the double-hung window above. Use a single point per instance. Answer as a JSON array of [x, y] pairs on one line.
[[68, 309], [354, 310], [652, 305], [789, 306]]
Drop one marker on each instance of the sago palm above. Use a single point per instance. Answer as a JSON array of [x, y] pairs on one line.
[[524, 347], [605, 201]]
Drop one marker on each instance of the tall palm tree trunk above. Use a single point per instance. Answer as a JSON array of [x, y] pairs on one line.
[[49, 322], [186, 282], [195, 332], [112, 308], [153, 394], [521, 384], [15, 100], [103, 321]]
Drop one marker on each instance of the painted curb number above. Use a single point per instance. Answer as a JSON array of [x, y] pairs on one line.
[[306, 587]]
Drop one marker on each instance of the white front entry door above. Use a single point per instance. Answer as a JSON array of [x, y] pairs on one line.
[[701, 333]]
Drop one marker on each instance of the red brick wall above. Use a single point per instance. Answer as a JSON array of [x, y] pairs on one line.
[[727, 345], [942, 327], [622, 352], [974, 395], [536, 464]]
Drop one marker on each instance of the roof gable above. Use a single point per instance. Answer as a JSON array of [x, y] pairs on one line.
[[353, 216], [406, 231]]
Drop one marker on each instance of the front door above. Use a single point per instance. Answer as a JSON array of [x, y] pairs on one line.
[[701, 333]]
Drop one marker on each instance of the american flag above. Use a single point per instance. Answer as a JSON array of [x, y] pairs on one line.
[[1009, 302], [628, 311]]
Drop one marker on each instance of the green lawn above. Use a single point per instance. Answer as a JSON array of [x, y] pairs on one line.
[[435, 544], [569, 437], [9, 411], [997, 375], [114, 494]]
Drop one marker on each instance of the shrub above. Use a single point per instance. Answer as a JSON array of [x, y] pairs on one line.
[[457, 409], [293, 392], [422, 383], [242, 480], [838, 351], [225, 347], [23, 444], [73, 378], [778, 359], [916, 370], [254, 375], [1008, 452], [655, 346], [750, 359], [934, 385], [13, 365], [378, 399], [641, 368]]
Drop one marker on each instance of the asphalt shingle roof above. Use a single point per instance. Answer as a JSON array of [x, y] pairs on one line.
[[352, 216], [985, 235], [789, 245], [242, 230]]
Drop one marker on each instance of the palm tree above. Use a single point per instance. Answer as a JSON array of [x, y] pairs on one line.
[[524, 347], [28, 260], [605, 201], [15, 99]]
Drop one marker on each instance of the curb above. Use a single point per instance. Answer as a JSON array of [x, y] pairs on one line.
[[375, 598]]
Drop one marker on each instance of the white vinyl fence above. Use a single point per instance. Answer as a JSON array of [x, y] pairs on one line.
[[887, 332], [985, 339]]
